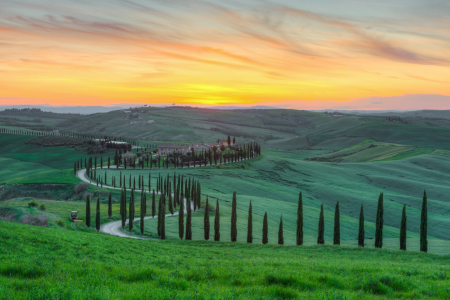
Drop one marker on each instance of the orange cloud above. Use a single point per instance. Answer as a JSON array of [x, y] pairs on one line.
[[202, 52]]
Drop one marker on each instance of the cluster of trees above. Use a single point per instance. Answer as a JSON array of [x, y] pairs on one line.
[[57, 140], [31, 111], [27, 132], [106, 141], [183, 188], [128, 159], [396, 119]]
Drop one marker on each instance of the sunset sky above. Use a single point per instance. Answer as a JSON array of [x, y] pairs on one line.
[[296, 54]]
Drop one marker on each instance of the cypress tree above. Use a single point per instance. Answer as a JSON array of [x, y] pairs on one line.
[[337, 226], [170, 200], [206, 220], [142, 216], [123, 207], [144, 201], [131, 211], [161, 213], [233, 219], [250, 224], [174, 188], [193, 195], [321, 232], [179, 198], [188, 189], [181, 220], [88, 211], [188, 220], [153, 204], [361, 228], [403, 230], [280, 232], [159, 216], [162, 219], [379, 223], [182, 189], [265, 230], [424, 224], [299, 237], [199, 194], [97, 216], [217, 223], [110, 205]]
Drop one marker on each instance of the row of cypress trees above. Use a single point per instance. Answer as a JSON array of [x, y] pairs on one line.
[[321, 225], [248, 151], [187, 232]]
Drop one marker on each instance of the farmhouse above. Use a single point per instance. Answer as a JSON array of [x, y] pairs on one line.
[[165, 149], [199, 146]]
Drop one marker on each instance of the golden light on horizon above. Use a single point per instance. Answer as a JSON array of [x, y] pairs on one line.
[[75, 56]]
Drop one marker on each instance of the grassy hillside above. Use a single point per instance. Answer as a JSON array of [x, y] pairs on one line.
[[273, 182], [26, 163], [370, 151], [274, 128], [361, 157], [44, 263]]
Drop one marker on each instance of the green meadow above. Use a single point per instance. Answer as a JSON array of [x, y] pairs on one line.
[[273, 182], [44, 263], [329, 158], [25, 163]]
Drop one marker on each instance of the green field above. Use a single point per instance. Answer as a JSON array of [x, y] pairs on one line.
[[25, 163], [370, 151], [275, 180], [44, 263], [350, 159]]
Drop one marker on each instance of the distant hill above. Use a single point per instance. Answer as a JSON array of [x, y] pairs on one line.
[[283, 129], [84, 110]]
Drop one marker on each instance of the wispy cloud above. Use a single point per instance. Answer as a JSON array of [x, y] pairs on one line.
[[373, 3], [427, 79], [369, 43], [112, 49]]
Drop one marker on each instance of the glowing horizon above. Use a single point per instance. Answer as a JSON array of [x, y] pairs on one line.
[[284, 53]]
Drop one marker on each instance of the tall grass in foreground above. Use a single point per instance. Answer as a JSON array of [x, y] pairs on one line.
[[43, 263]]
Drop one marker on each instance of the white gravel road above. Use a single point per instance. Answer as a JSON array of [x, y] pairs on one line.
[[115, 227]]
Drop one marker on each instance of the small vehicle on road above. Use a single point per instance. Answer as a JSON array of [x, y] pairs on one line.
[[74, 216]]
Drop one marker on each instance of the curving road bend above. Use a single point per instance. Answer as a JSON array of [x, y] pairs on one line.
[[115, 227]]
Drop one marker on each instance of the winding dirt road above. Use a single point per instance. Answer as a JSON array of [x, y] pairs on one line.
[[115, 227]]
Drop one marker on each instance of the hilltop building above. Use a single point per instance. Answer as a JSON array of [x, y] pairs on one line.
[[165, 149]]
